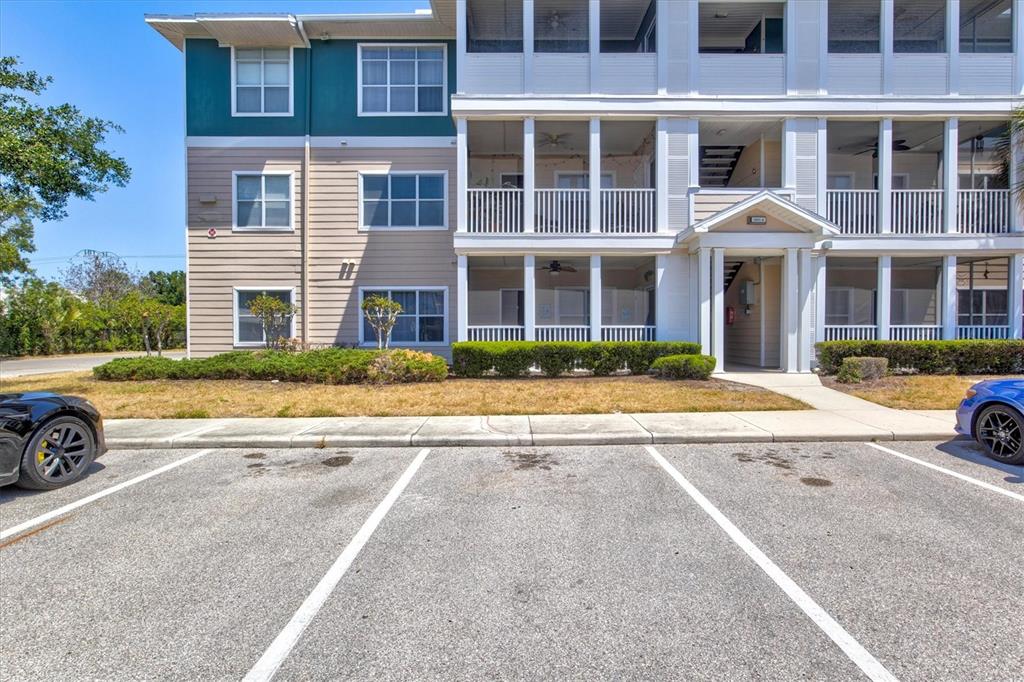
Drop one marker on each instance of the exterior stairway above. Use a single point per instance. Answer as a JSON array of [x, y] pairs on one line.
[[717, 163]]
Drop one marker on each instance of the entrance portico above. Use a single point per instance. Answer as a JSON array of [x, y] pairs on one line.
[[763, 227]]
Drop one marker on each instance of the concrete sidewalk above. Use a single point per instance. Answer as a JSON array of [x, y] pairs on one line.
[[879, 424]]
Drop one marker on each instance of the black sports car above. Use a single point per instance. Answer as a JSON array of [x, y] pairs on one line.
[[47, 440]]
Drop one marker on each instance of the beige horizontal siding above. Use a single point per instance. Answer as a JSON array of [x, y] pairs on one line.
[[342, 259]]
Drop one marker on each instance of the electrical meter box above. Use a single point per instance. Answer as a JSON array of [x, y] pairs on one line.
[[747, 296]]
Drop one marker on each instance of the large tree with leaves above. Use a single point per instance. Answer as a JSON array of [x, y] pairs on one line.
[[48, 155]]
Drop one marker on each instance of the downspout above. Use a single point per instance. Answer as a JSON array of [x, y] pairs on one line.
[[304, 274]]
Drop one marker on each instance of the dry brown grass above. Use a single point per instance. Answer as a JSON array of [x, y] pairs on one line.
[[918, 392], [178, 399]]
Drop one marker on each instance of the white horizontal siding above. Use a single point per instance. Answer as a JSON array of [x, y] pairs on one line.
[[493, 74], [855, 74], [986, 74], [742, 74], [628, 74], [561, 74], [920, 74]]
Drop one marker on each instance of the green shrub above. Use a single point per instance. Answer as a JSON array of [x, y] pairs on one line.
[[855, 370], [514, 358], [684, 366], [326, 366], [930, 357]]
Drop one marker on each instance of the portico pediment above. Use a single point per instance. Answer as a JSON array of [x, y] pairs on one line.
[[762, 213]]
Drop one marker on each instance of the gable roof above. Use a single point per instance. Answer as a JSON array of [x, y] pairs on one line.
[[772, 204]]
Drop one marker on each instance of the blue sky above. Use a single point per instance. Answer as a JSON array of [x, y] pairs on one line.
[[105, 60]]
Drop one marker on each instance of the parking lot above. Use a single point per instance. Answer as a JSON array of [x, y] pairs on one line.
[[737, 561]]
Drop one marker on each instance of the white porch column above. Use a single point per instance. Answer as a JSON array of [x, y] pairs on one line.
[[1018, 43], [788, 152], [594, 16], [460, 46], [790, 311], [462, 298], [661, 174], [661, 38], [704, 300], [949, 296], [529, 298], [528, 46], [885, 173], [529, 174], [950, 176], [1016, 307], [595, 174], [886, 38], [820, 297], [823, 50], [804, 331], [883, 297], [821, 185], [718, 308], [789, 43], [595, 298], [692, 46], [462, 175], [953, 45]]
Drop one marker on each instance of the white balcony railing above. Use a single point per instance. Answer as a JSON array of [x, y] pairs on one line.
[[854, 211], [851, 332], [915, 332], [494, 211], [917, 211], [496, 333], [565, 211], [983, 331], [627, 332], [563, 332], [983, 211], [627, 211]]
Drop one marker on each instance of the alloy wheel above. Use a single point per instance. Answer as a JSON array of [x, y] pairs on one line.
[[63, 450], [1000, 432]]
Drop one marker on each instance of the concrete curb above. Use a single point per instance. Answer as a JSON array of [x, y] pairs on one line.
[[539, 430]]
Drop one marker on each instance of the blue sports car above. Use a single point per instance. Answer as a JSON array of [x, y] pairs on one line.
[[993, 413]]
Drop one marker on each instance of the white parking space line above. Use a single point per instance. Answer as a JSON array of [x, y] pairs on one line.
[[281, 647], [950, 472], [868, 664], [21, 527]]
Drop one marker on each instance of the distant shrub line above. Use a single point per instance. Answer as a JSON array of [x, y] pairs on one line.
[[515, 358], [929, 357]]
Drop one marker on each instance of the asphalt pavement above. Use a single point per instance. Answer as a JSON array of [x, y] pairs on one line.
[[11, 367], [732, 561]]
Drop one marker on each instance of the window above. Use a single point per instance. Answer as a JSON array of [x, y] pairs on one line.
[[248, 327], [919, 26], [263, 201], [982, 307], [494, 26], [581, 180], [405, 80], [741, 28], [986, 26], [561, 26], [261, 82], [404, 201], [423, 319], [854, 26]]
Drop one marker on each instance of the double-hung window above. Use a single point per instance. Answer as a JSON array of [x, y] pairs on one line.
[[402, 80], [411, 200], [262, 82], [248, 327], [424, 316], [263, 201]]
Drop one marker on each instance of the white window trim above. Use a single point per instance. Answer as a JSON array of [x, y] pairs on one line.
[[258, 114], [363, 227], [586, 174], [505, 174], [374, 114], [363, 341], [234, 315], [291, 201]]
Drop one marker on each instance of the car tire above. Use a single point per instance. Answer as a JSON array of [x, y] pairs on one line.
[[1000, 430], [58, 454]]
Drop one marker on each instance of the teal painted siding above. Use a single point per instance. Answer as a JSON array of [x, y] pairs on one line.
[[208, 95], [334, 98]]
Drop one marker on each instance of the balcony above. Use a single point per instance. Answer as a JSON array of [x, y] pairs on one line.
[[562, 211], [917, 211], [854, 211], [495, 211]]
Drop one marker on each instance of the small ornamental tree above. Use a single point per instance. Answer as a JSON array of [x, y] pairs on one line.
[[382, 314], [275, 315]]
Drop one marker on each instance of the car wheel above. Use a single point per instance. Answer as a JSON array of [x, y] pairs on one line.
[[1000, 429], [58, 454]]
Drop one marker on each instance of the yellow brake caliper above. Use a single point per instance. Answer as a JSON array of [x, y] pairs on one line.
[[41, 455]]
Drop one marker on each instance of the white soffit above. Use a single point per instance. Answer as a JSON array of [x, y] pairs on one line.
[[255, 31]]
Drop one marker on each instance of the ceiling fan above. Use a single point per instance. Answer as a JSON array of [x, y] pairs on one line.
[[555, 267], [553, 139], [897, 146]]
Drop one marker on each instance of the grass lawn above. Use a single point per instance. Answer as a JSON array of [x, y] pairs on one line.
[[916, 392], [201, 399]]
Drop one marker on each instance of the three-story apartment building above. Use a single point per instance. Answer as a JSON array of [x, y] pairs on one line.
[[754, 176]]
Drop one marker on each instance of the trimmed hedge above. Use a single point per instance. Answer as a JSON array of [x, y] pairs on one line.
[[514, 358], [856, 370], [684, 366], [930, 357], [326, 366]]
